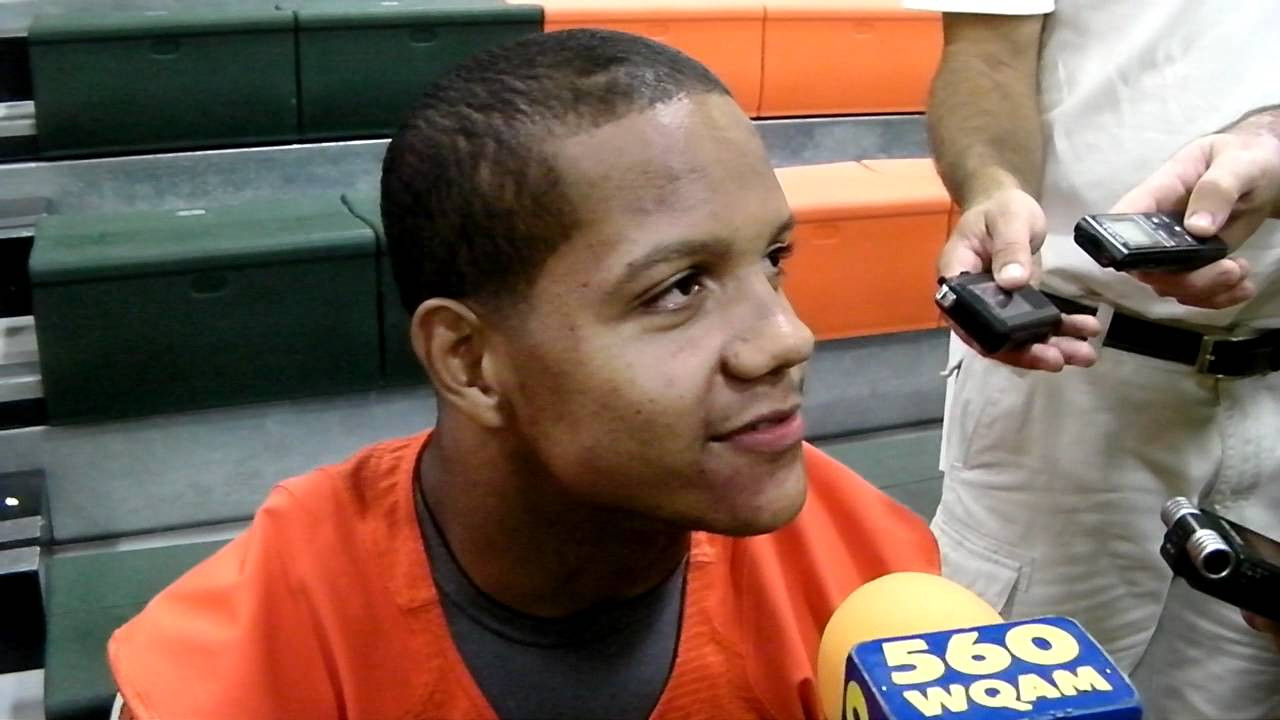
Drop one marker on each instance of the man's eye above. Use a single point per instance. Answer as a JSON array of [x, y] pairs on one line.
[[679, 293], [775, 257], [779, 253]]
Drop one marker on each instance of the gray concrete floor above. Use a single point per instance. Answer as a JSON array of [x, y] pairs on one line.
[[903, 463]]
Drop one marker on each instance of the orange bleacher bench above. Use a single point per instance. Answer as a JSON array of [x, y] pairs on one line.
[[835, 57], [867, 240], [786, 57], [725, 35]]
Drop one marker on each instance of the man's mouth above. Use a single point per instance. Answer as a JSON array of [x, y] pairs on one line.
[[771, 432]]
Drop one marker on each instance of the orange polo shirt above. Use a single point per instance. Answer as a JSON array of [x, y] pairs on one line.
[[325, 607]]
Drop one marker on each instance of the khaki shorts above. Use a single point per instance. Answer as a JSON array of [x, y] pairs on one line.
[[1051, 506]]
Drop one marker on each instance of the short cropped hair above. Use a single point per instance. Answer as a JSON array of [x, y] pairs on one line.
[[472, 205]]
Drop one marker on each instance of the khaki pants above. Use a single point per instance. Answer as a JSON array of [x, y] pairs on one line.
[[1051, 506]]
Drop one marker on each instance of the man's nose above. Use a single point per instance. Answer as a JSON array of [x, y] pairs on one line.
[[772, 338]]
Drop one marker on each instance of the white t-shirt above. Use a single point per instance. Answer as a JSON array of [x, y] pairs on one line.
[[1124, 85]]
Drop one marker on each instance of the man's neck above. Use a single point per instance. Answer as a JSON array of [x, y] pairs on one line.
[[529, 546]]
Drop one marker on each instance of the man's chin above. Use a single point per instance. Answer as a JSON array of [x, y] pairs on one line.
[[772, 512]]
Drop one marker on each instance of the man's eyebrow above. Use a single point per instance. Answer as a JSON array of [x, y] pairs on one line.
[[672, 252], [692, 248], [784, 228]]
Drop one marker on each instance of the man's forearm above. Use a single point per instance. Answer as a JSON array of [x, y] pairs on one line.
[[1262, 121], [984, 114]]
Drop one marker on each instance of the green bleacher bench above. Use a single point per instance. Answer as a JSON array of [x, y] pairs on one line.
[[89, 597], [399, 365], [149, 312], [363, 63], [130, 81]]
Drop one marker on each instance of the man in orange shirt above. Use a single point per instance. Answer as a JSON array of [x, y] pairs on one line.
[[615, 516]]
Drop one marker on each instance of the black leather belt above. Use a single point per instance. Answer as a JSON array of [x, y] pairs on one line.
[[1219, 355]]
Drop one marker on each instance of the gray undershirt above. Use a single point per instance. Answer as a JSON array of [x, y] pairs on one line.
[[610, 662]]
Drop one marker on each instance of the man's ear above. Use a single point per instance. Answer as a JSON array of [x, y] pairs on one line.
[[453, 343]]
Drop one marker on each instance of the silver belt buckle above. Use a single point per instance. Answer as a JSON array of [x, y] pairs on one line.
[[1209, 343], [1205, 357]]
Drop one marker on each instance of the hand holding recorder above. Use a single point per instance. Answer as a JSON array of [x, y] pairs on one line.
[[1225, 184], [1224, 559], [996, 238]]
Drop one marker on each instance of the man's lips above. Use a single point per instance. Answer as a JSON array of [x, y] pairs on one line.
[[770, 432]]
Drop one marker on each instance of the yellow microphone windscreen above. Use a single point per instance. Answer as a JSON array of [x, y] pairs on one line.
[[904, 603]]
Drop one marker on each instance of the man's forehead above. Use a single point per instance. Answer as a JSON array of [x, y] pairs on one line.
[[690, 172], [654, 159]]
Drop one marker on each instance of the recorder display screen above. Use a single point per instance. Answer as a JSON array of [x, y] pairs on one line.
[[1135, 234]]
